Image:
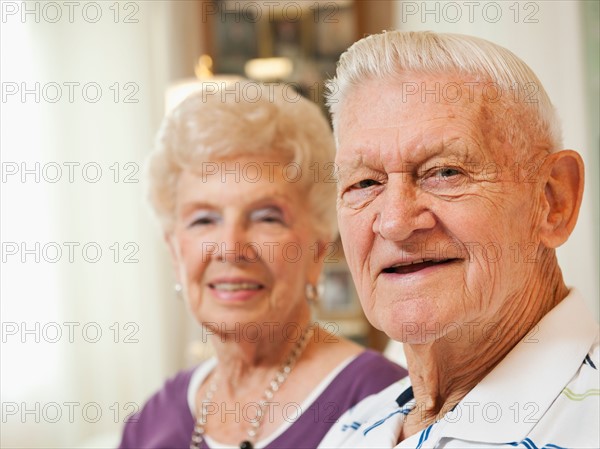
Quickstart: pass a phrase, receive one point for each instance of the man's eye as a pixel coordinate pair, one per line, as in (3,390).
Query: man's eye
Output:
(445,180)
(361,193)
(445,174)
(448,172)
(364,184)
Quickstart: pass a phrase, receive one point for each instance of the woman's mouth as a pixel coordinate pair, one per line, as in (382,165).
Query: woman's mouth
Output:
(235,290)
(235,286)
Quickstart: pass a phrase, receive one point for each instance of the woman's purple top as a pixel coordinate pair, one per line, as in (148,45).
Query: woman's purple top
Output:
(166,421)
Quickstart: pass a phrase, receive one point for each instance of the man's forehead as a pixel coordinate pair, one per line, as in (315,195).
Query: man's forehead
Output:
(451,86)
(427,98)
(377,115)
(428,131)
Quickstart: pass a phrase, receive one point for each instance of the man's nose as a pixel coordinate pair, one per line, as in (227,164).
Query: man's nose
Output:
(403,210)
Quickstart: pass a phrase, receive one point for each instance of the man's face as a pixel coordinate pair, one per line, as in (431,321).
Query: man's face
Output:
(438,216)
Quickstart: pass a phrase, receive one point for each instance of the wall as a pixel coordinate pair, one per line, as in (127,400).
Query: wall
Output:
(549,37)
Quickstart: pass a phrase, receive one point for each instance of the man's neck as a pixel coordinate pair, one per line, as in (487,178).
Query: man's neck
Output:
(443,371)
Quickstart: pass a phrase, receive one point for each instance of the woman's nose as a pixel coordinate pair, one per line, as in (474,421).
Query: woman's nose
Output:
(235,244)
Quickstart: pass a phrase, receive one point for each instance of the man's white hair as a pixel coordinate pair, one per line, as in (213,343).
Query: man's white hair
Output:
(395,53)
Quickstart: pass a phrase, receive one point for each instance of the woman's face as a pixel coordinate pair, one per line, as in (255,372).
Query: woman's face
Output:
(243,245)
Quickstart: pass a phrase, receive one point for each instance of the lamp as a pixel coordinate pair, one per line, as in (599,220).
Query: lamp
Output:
(269,69)
(180,90)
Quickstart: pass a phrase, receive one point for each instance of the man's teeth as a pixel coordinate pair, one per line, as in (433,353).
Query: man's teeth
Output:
(234,286)
(405,264)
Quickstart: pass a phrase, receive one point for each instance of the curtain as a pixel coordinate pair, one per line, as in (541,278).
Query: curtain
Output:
(90,325)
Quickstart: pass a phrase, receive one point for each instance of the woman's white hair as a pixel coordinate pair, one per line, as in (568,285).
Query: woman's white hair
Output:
(244,119)
(531,121)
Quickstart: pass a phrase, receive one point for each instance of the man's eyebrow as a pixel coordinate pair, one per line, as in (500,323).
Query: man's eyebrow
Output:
(349,164)
(457,148)
(466,150)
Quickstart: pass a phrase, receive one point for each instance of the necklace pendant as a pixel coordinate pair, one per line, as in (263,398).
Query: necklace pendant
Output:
(246,445)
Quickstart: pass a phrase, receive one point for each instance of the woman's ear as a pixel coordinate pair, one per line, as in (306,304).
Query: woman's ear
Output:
(563,191)
(318,258)
(169,238)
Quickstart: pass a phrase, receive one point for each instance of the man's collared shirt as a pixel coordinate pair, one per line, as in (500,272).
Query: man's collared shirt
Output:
(543,394)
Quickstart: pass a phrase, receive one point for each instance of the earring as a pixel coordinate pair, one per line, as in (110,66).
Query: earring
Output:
(312,293)
(178,290)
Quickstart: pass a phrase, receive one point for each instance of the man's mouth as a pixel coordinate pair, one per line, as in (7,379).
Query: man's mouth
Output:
(416,265)
(235,286)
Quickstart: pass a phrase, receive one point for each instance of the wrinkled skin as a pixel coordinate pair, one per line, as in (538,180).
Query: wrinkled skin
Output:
(436,184)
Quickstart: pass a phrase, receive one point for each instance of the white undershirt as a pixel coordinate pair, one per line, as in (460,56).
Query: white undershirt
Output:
(204,370)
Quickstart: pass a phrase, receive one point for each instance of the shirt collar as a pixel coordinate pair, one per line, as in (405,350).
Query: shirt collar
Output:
(511,399)
(405,396)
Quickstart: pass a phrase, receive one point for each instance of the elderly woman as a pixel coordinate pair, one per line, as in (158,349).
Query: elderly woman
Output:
(240,182)
(454,193)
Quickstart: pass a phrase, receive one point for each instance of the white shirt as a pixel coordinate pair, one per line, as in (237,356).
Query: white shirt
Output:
(543,394)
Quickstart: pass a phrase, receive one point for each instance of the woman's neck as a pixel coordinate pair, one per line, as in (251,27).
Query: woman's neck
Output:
(248,364)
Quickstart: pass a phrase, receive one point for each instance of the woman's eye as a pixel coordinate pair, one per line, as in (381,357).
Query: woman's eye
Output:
(204,220)
(364,184)
(269,215)
(270,219)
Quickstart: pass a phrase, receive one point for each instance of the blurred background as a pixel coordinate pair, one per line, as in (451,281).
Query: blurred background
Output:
(90,322)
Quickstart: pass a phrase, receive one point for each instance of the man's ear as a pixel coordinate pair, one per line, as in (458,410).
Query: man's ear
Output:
(563,191)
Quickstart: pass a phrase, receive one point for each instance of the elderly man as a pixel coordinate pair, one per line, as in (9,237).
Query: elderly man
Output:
(453,195)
